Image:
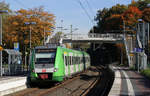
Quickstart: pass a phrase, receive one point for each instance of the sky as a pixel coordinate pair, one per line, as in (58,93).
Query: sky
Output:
(68,11)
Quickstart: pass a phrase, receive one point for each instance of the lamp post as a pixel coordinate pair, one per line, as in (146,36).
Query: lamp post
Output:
(148,5)
(1,12)
(139,45)
(30,34)
(30,37)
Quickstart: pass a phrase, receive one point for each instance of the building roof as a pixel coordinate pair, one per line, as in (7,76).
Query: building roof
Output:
(12,52)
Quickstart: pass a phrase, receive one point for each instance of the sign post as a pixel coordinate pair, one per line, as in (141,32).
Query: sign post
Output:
(16,46)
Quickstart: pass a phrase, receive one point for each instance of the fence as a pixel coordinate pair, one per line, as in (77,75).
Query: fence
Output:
(12,62)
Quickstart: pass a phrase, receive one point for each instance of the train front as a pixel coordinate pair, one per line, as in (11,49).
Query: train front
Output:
(43,63)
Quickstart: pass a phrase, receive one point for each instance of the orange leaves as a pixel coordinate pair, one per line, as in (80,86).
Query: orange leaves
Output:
(113,18)
(18,31)
(131,16)
(15,23)
(146,14)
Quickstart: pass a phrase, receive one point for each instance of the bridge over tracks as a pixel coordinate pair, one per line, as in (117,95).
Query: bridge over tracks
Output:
(92,37)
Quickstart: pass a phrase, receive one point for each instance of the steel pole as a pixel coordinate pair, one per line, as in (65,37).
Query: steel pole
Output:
(44,37)
(143,36)
(71,31)
(25,59)
(1,44)
(30,48)
(125,45)
(148,43)
(30,40)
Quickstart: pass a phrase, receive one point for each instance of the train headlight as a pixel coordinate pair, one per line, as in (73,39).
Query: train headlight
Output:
(55,69)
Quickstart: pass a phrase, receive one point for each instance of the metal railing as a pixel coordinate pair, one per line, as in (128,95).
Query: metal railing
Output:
(93,35)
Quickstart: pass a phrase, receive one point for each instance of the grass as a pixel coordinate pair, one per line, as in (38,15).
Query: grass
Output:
(132,68)
(146,72)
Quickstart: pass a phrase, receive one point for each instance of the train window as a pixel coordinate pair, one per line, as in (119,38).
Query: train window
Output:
(86,59)
(45,58)
(75,60)
(70,60)
(66,60)
(79,60)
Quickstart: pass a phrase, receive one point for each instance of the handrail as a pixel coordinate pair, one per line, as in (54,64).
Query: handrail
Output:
(92,35)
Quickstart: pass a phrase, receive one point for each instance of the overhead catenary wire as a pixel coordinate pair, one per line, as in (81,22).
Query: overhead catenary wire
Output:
(86,12)
(20,3)
(89,6)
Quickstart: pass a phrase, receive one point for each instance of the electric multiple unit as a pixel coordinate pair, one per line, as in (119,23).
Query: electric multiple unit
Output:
(54,63)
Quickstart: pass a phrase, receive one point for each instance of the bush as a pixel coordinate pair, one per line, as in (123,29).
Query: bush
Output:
(146,73)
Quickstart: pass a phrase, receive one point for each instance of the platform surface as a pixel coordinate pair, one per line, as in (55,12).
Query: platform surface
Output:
(10,84)
(129,83)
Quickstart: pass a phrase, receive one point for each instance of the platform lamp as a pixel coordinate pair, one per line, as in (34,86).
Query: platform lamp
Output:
(1,12)
(30,36)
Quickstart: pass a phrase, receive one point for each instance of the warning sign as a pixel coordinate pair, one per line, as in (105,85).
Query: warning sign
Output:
(1,48)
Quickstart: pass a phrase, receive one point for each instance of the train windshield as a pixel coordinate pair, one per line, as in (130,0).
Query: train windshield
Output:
(45,58)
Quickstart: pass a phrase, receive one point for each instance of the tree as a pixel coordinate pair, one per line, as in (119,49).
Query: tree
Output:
(146,14)
(141,4)
(114,22)
(131,16)
(56,38)
(4,6)
(103,15)
(17,31)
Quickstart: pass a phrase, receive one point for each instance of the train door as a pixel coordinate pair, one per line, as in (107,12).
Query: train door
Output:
(76,65)
(81,63)
(66,64)
(71,64)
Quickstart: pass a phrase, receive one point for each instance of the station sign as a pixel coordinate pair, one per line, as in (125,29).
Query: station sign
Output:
(138,50)
(16,46)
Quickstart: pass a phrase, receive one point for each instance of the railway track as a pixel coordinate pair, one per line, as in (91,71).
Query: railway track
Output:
(82,84)
(104,84)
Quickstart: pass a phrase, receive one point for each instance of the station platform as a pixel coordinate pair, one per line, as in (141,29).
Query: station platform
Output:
(129,83)
(10,84)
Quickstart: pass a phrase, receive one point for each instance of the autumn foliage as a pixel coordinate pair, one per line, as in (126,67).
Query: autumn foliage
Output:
(146,14)
(117,16)
(19,26)
(114,22)
(131,16)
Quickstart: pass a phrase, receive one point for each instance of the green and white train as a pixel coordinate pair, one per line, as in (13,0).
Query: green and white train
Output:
(55,63)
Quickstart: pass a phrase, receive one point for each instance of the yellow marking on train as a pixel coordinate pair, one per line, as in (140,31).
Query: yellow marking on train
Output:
(65,52)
